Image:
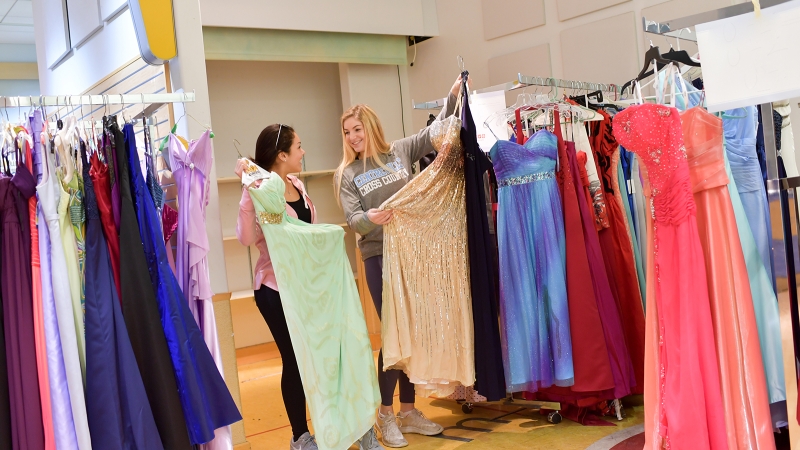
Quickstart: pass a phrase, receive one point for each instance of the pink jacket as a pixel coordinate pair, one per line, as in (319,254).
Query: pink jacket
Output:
(248,231)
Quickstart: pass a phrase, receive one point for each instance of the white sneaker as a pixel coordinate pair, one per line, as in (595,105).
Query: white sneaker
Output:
(305,442)
(390,433)
(369,441)
(415,422)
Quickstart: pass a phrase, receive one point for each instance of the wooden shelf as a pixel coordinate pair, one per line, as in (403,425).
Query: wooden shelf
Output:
(230,238)
(225,180)
(314,173)
(306,174)
(240,295)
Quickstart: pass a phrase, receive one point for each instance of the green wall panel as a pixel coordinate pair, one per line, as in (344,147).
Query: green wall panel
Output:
(249,44)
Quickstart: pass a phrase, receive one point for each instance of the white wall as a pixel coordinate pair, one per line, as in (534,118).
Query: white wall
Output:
(406,17)
(598,41)
(111,46)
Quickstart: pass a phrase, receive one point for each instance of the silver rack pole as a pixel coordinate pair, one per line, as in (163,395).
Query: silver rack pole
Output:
(524,81)
(86,100)
(673,27)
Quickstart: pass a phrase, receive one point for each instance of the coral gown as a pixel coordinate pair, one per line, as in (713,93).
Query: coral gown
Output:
(744,389)
(691,415)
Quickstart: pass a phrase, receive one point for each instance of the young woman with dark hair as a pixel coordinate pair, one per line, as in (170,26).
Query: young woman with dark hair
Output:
(279,150)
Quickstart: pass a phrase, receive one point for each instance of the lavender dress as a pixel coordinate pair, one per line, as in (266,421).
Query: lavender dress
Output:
(537,348)
(190,170)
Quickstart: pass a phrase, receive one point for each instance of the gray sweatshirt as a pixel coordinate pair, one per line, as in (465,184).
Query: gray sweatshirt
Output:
(367,186)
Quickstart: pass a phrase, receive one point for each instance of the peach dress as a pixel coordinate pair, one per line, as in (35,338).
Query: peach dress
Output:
(744,386)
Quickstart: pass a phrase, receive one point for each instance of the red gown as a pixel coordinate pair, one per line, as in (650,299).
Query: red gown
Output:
(593,378)
(618,253)
(102,189)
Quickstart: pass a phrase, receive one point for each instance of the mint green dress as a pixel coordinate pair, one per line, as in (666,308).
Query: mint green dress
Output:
(325,319)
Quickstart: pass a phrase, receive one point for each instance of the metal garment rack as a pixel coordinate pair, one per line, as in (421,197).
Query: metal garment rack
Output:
(90,100)
(785,189)
(524,81)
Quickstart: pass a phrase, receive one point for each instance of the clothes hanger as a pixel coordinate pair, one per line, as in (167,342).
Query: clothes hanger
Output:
(652,55)
(681,56)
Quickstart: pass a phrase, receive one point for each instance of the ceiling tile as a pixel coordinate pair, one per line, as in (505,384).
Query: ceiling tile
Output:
(5,6)
(21,13)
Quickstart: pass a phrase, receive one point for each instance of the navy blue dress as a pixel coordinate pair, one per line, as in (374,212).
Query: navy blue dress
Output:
(489,374)
(119,413)
(206,400)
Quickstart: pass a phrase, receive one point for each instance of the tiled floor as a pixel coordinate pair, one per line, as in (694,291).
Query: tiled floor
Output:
(488,427)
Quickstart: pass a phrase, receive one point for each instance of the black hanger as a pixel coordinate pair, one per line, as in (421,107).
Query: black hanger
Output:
(680,56)
(654,54)
(596,96)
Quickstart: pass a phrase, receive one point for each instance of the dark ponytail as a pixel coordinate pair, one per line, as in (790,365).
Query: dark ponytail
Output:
(273,140)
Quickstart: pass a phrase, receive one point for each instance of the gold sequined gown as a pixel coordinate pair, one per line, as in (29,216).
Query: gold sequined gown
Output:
(427,309)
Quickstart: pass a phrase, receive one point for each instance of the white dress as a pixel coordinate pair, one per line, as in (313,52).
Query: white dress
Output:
(49,196)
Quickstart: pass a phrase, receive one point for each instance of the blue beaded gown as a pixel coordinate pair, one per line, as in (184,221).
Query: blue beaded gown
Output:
(534,318)
(118,409)
(207,403)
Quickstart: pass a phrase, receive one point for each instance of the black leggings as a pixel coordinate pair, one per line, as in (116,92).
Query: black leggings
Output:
(294,398)
(386,380)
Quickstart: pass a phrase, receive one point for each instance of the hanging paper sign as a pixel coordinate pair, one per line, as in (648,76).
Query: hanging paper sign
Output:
(253,173)
(749,60)
(483,106)
(155,30)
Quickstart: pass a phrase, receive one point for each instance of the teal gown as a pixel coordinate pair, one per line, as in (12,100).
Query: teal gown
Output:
(325,319)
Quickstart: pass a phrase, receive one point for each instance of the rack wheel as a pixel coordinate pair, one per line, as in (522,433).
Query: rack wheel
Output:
(554,417)
(466,408)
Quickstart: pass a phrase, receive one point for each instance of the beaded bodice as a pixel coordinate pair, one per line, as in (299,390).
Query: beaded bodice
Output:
(520,164)
(654,133)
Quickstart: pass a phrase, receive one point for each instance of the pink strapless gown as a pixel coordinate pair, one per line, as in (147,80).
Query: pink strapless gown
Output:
(691,415)
(744,385)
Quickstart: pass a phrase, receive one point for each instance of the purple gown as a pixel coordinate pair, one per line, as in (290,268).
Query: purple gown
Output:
(27,429)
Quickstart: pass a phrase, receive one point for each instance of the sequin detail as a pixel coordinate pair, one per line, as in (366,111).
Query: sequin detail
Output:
(531,178)
(427,305)
(272,218)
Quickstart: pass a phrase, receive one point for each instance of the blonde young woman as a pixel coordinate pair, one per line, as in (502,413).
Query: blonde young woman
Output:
(371,171)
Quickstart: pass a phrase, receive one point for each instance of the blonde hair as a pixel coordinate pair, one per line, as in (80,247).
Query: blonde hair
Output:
(375,144)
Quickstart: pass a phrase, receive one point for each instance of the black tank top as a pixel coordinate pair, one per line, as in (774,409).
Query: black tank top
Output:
(299,206)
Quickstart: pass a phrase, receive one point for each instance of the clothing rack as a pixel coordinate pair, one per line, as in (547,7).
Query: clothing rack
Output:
(89,100)
(524,81)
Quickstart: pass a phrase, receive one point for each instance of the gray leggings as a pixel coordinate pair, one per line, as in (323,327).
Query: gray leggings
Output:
(388,379)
